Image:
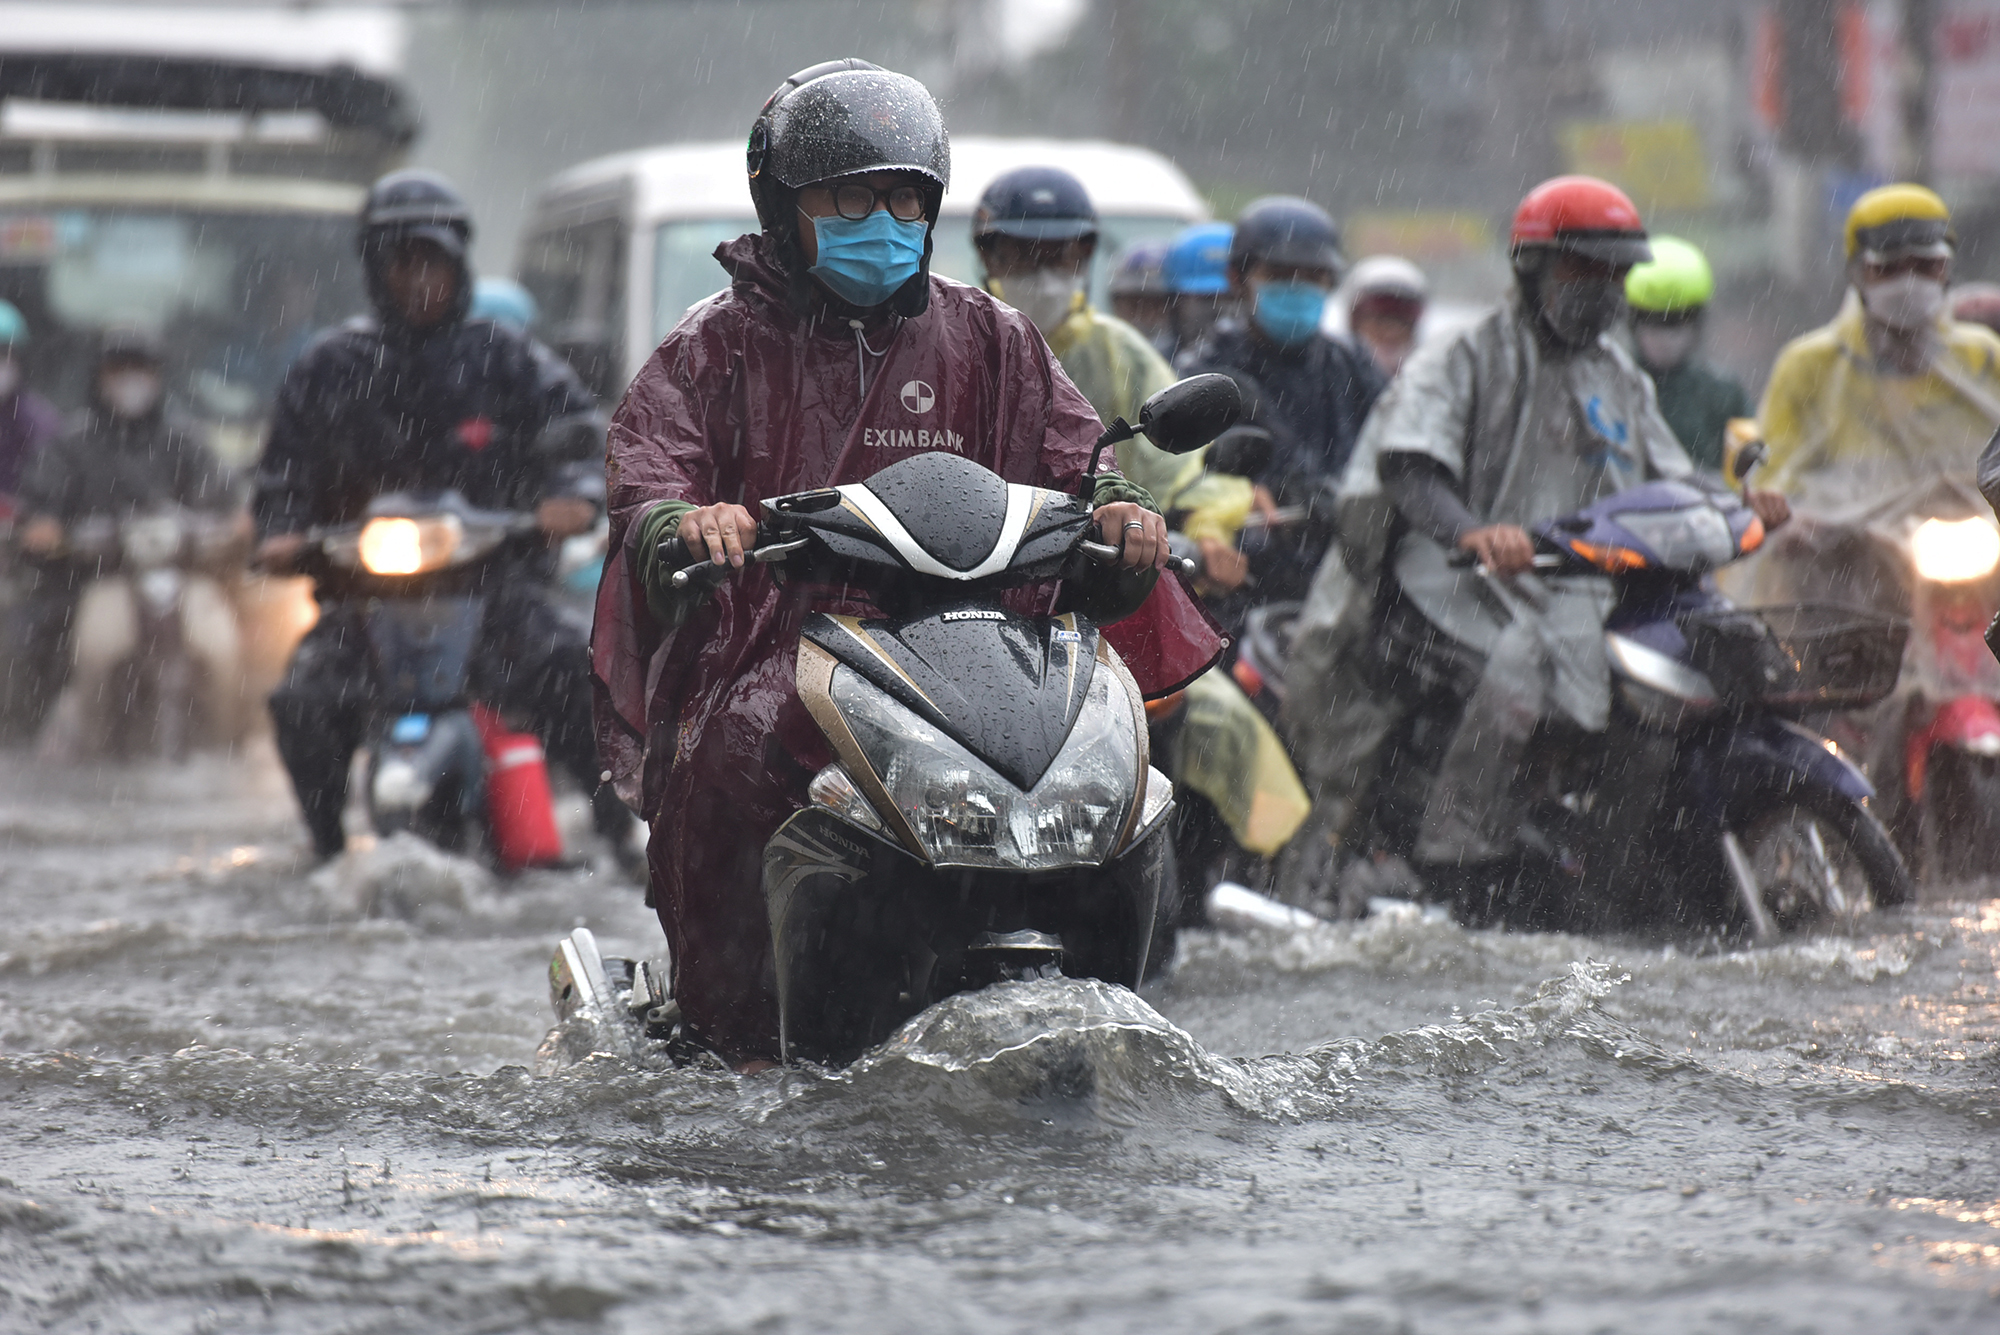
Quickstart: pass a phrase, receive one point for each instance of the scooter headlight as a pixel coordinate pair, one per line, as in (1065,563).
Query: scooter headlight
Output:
(1949,551)
(966,815)
(409,546)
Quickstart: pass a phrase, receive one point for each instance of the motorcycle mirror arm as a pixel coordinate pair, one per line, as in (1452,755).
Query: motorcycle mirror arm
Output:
(1119,430)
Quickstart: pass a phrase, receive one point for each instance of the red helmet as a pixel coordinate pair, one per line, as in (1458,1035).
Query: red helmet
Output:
(1584,216)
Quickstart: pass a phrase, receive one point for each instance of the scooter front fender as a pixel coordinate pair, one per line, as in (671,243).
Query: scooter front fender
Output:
(864,936)
(1761,752)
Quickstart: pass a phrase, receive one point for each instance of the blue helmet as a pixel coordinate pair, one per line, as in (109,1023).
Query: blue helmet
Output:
(503,301)
(13,326)
(1198,262)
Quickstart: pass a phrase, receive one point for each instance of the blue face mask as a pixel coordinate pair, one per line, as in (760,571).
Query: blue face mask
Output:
(1289,312)
(865,261)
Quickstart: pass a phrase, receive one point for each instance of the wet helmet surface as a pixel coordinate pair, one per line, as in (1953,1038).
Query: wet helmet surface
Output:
(1580,215)
(416,203)
(843,118)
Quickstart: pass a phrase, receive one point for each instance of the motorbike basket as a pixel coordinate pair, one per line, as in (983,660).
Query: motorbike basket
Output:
(1800,656)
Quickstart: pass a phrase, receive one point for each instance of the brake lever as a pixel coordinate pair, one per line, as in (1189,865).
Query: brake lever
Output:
(709,572)
(1106,555)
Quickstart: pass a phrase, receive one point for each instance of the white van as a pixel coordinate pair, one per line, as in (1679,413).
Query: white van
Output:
(619,248)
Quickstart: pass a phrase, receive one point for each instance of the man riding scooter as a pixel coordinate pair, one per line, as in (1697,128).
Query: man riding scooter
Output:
(420,398)
(833,354)
(126,456)
(1309,390)
(1529,414)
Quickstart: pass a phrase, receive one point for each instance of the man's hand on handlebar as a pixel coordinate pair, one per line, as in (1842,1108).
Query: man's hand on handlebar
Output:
(1504,549)
(1138,533)
(720,533)
(1223,565)
(279,553)
(1771,507)
(565,516)
(40,535)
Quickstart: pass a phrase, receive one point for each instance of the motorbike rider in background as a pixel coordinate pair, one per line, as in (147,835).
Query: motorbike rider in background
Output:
(126,453)
(1386,297)
(834,353)
(27,420)
(1196,270)
(1669,296)
(1531,413)
(1893,384)
(1139,294)
(1311,391)
(419,397)
(31,654)
(1036,230)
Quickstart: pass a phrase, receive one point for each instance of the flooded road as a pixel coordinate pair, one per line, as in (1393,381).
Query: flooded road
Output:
(235,1096)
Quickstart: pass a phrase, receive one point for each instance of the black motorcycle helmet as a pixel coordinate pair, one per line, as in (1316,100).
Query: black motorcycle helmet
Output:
(414,204)
(1282,229)
(1035,204)
(843,118)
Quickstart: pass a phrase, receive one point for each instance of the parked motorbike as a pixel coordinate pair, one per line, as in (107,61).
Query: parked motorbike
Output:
(1704,800)
(154,636)
(439,764)
(993,813)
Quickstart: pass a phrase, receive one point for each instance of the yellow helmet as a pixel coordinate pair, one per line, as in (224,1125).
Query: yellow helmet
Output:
(1898,220)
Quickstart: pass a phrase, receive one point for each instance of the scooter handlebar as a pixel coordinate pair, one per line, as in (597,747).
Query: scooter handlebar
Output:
(1106,555)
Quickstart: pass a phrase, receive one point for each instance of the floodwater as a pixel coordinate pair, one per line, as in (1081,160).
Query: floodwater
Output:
(234,1097)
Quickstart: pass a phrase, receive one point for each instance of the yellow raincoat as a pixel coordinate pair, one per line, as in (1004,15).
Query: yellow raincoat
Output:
(1228,751)
(1117,370)
(1829,404)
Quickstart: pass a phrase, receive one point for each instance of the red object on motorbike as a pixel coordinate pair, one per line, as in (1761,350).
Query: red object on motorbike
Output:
(1970,723)
(519,807)
(1169,641)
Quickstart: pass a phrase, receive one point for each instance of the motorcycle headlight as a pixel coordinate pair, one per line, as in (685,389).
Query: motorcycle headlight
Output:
(1950,551)
(409,546)
(966,815)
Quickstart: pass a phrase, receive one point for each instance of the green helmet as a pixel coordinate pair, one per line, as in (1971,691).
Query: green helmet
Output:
(13,328)
(1675,281)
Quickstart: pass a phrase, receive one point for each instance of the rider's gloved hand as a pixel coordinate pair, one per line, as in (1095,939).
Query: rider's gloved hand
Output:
(1504,549)
(719,532)
(1771,507)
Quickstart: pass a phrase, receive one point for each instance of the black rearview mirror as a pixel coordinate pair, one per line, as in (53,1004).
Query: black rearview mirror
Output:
(1242,451)
(1188,414)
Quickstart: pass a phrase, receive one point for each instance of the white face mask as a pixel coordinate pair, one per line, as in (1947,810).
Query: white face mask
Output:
(131,393)
(1045,296)
(1906,302)
(10,377)
(1664,346)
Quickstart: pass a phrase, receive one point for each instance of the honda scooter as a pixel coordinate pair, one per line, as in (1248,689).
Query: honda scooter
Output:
(992,813)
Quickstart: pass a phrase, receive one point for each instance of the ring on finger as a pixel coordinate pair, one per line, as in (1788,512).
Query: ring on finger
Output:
(1136,524)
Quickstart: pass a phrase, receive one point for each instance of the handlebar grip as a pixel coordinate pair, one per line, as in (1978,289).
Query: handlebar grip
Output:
(1462,558)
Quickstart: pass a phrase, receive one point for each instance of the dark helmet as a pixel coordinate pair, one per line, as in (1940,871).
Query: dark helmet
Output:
(1035,204)
(841,118)
(415,203)
(420,205)
(1281,229)
(130,343)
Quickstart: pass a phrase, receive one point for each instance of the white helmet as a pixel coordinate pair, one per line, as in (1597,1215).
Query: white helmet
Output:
(1389,276)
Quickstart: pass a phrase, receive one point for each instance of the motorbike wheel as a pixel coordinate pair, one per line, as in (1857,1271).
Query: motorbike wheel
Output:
(1959,816)
(1821,860)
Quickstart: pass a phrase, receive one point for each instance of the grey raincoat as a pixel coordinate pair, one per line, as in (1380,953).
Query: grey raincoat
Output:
(1523,432)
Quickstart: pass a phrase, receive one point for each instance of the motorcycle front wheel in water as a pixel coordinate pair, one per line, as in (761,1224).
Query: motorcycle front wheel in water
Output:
(1821,861)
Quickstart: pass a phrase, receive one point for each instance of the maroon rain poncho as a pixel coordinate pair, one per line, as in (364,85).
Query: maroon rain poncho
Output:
(749,399)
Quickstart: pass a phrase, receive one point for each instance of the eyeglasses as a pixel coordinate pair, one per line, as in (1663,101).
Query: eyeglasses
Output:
(854,201)
(1933,267)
